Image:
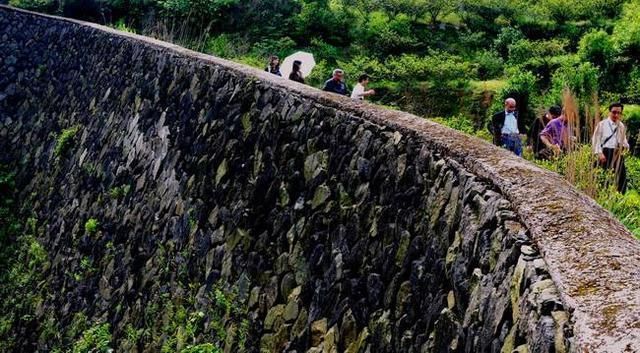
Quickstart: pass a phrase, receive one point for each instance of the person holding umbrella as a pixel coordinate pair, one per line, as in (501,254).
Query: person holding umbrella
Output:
(296,73)
(298,65)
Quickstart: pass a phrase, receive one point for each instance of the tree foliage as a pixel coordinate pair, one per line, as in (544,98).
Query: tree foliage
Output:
(597,48)
(626,33)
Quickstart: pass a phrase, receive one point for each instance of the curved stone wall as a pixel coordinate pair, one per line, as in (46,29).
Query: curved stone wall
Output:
(317,224)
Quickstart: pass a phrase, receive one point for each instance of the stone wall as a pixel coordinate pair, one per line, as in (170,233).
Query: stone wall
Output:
(235,208)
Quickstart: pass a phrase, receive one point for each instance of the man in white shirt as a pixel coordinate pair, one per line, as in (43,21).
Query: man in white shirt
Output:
(360,90)
(609,142)
(506,127)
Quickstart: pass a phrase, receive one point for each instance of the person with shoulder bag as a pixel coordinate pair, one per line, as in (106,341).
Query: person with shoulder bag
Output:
(609,143)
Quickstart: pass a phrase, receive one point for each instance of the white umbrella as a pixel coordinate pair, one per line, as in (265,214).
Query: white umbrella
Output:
(305,58)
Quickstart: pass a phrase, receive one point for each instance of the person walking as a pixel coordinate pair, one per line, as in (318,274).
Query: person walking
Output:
(609,143)
(296,74)
(273,66)
(506,128)
(336,84)
(534,141)
(360,89)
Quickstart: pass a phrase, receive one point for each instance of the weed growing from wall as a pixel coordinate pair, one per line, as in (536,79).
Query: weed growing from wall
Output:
(23,263)
(119,192)
(95,339)
(207,325)
(91,226)
(65,141)
(8,223)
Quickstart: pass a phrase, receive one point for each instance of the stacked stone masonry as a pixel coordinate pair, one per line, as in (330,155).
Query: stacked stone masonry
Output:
(336,231)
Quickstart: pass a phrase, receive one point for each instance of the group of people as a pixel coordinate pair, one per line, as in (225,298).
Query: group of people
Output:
(550,136)
(335,84)
(273,67)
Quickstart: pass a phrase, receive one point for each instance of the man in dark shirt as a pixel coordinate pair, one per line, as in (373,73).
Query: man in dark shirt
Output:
(506,127)
(335,84)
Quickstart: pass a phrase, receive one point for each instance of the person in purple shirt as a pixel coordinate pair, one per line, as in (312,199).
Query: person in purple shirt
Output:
(555,135)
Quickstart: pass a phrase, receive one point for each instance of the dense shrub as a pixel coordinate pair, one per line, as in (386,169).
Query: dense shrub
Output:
(383,34)
(281,47)
(580,77)
(478,102)
(96,339)
(626,34)
(320,74)
(364,64)
(633,172)
(489,65)
(324,50)
(458,122)
(626,208)
(221,45)
(316,19)
(201,13)
(524,50)
(507,37)
(597,48)
(631,119)
(440,67)
(633,87)
(34,5)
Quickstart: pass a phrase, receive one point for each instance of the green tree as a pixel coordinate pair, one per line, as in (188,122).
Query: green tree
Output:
(525,50)
(385,35)
(582,78)
(596,47)
(633,88)
(540,57)
(34,5)
(560,11)
(318,19)
(626,33)
(197,15)
(433,9)
(507,37)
